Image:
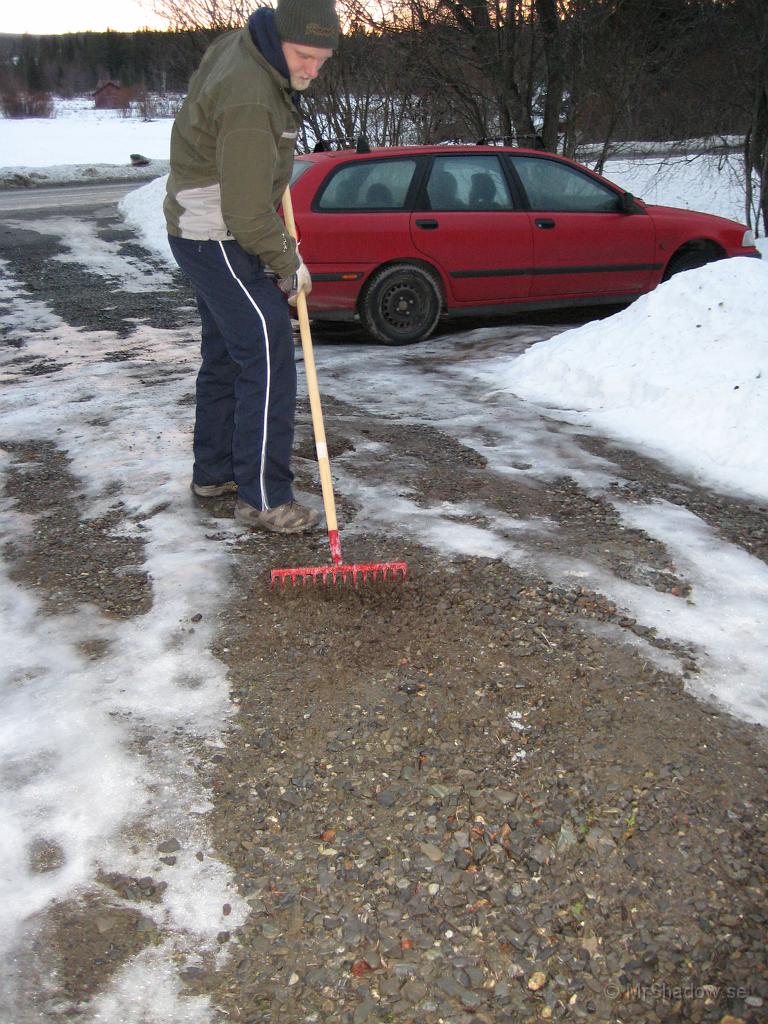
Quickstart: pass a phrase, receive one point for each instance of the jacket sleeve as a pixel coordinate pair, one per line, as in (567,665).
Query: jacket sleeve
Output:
(248,162)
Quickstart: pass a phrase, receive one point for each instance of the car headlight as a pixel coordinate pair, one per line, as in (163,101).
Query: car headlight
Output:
(748,239)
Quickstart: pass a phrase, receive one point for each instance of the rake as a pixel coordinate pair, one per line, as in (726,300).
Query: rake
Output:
(337,570)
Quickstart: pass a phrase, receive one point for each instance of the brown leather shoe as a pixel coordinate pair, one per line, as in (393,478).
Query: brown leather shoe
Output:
(289,518)
(213,490)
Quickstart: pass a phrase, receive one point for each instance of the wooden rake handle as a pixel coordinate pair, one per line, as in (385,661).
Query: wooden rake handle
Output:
(326,481)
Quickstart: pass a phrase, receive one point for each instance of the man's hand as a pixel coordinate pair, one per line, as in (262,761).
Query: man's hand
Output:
(300,281)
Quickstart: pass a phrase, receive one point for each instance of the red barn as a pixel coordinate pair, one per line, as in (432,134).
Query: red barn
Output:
(111,96)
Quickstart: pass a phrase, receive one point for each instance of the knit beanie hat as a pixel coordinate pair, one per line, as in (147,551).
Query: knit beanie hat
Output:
(310,22)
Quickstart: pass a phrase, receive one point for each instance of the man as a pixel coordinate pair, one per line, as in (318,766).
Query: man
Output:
(232,149)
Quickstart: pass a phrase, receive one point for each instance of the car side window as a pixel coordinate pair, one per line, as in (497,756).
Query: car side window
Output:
(557,187)
(299,167)
(468,183)
(369,185)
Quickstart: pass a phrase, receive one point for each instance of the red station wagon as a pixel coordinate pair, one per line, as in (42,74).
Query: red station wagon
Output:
(397,238)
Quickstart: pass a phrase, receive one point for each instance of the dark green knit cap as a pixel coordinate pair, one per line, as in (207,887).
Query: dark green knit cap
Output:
(308,22)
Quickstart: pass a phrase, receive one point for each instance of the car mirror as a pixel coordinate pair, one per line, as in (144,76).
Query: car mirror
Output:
(627,203)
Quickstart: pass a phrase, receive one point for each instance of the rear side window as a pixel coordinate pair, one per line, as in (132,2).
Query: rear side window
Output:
(468,183)
(557,187)
(299,166)
(369,185)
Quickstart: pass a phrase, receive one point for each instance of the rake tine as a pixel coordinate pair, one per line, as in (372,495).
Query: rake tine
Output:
(363,572)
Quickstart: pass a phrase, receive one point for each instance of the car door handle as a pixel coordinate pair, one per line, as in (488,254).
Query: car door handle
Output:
(545,223)
(427,225)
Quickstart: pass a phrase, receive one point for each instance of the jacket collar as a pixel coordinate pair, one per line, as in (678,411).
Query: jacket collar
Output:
(261,26)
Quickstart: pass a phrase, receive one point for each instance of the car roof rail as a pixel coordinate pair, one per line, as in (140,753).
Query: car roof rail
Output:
(342,142)
(496,140)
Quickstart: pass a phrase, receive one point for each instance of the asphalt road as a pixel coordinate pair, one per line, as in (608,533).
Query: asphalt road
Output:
(64,196)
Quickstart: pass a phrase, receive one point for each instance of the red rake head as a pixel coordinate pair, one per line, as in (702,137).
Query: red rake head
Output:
(346,573)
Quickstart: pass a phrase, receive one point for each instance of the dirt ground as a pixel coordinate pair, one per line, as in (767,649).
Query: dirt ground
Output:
(469,796)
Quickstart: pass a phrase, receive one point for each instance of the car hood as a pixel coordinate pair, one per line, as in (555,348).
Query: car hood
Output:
(677,213)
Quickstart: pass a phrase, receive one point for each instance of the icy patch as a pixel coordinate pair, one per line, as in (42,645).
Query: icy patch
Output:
(147,989)
(21,313)
(90,747)
(442,525)
(85,248)
(463,400)
(663,660)
(725,614)
(723,618)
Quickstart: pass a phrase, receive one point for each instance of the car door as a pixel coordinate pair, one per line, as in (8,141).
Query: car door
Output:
(356,221)
(583,243)
(466,222)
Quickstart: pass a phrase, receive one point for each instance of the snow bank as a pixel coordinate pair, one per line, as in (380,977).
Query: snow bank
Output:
(683,372)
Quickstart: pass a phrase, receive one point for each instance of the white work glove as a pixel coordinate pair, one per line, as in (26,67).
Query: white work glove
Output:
(300,281)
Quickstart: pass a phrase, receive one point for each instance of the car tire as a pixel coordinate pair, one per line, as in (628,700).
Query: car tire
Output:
(691,260)
(401,304)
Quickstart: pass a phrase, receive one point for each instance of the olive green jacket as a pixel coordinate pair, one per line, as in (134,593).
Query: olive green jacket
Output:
(232,147)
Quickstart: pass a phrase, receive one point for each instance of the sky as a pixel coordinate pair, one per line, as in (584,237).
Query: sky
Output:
(680,375)
(51,17)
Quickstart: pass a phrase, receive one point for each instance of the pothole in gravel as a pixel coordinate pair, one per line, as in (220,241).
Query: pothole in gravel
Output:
(90,938)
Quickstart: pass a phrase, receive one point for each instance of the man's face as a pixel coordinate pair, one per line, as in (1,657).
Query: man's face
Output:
(304,63)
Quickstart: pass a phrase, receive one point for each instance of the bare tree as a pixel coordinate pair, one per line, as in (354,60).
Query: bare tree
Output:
(388,81)
(551,18)
(424,70)
(210,16)
(756,140)
(479,52)
(608,71)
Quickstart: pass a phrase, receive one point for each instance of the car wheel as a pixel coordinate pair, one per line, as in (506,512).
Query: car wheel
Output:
(401,304)
(691,260)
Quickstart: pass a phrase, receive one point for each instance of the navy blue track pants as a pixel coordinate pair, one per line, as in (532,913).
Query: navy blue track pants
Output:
(246,386)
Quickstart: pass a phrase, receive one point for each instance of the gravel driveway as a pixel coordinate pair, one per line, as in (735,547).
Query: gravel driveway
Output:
(475,796)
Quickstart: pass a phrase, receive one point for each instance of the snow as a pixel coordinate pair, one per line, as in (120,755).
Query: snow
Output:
(110,139)
(682,373)
(679,376)
(81,143)
(142,211)
(71,773)
(705,182)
